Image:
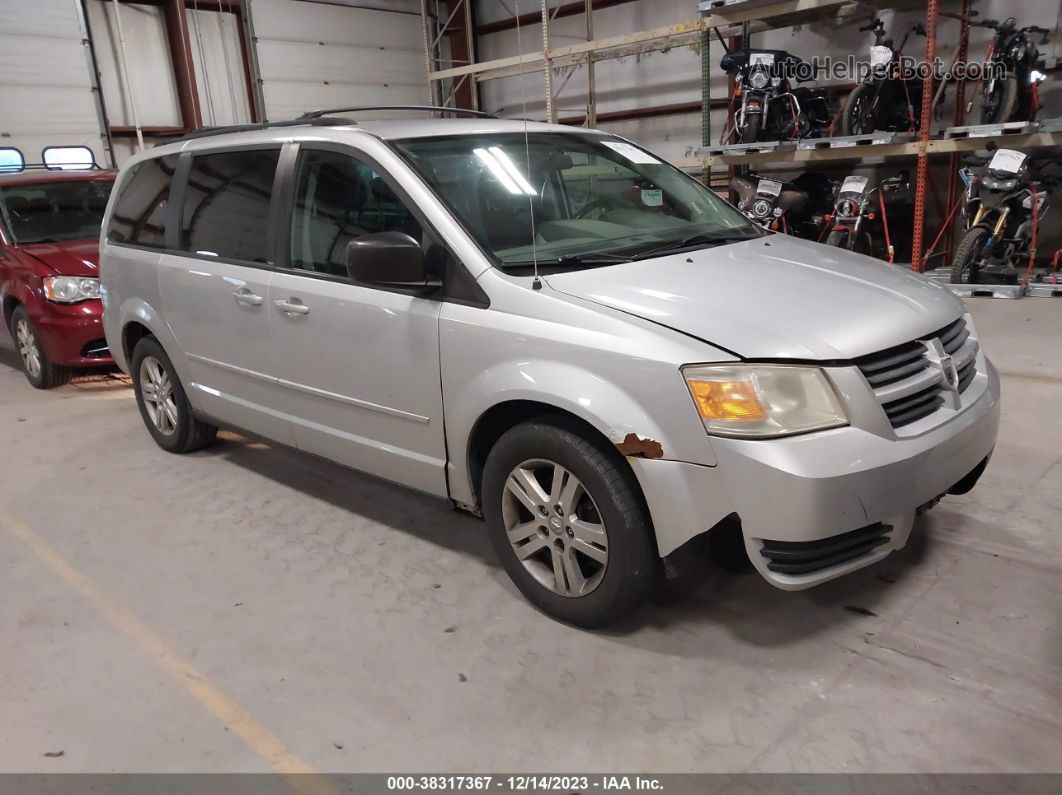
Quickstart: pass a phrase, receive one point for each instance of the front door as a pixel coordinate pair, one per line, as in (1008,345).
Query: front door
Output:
(360,365)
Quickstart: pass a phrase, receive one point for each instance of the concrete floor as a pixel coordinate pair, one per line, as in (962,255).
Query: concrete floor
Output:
(249,607)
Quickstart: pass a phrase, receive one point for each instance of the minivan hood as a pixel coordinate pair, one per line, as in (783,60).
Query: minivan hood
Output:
(68,257)
(775,297)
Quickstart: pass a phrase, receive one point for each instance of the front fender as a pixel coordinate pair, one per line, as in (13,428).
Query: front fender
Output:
(667,429)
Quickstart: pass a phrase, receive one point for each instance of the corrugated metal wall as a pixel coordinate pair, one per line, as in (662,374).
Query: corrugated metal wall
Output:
(45,90)
(313,55)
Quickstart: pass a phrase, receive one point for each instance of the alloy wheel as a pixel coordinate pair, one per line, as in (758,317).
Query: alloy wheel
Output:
(555,528)
(156,389)
(27,348)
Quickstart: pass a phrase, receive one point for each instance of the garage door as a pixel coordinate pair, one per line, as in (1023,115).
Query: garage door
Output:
(45,94)
(313,55)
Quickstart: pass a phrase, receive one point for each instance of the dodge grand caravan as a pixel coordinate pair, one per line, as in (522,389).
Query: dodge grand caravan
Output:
(549,326)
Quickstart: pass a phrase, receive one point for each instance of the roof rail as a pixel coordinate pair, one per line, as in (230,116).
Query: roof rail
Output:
(316,114)
(207,132)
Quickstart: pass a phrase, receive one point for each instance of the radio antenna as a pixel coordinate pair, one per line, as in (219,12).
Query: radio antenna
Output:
(536,282)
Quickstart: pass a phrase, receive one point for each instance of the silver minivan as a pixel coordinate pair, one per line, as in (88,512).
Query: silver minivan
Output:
(548,326)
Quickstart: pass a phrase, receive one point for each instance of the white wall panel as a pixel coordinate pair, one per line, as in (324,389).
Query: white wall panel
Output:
(218,67)
(315,55)
(45,91)
(150,70)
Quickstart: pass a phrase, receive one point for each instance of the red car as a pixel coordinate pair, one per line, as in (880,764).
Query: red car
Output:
(49,269)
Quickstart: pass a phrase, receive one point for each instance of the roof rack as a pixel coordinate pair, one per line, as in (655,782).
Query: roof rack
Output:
(316,114)
(207,132)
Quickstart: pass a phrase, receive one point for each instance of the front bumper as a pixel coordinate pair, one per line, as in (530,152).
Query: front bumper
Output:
(815,487)
(72,335)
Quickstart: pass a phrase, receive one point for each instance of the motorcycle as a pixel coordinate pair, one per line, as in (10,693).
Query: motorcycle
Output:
(861,214)
(766,105)
(1004,204)
(767,202)
(886,100)
(1016,95)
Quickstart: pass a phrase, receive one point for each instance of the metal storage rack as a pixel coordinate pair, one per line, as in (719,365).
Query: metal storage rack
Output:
(452,78)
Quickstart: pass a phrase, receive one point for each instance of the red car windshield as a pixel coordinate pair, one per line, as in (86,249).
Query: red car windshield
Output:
(49,212)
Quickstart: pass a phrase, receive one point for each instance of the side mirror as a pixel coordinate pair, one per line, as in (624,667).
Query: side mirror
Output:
(388,259)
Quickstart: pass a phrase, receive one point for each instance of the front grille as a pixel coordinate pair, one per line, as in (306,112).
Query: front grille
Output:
(805,557)
(97,349)
(905,381)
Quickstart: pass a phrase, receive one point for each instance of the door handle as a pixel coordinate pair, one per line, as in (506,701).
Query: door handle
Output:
(247,298)
(292,307)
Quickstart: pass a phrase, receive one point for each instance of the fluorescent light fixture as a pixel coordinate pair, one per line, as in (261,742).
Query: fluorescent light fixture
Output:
(504,171)
(512,171)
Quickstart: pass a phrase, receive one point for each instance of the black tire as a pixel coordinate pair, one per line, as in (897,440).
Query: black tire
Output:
(39,371)
(838,238)
(632,562)
(753,125)
(188,433)
(856,119)
(965,265)
(999,106)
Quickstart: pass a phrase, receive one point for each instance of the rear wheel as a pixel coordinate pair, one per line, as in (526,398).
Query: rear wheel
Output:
(966,265)
(40,372)
(1000,102)
(568,522)
(857,116)
(163,403)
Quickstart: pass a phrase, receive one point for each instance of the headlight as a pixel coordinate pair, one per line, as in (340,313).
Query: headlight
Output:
(758,401)
(70,289)
(759,79)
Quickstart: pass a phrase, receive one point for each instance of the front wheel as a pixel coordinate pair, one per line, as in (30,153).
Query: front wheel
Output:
(163,403)
(39,371)
(966,265)
(568,522)
(1001,101)
(857,118)
(753,125)
(838,238)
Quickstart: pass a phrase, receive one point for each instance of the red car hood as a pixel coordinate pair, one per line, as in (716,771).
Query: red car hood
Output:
(68,257)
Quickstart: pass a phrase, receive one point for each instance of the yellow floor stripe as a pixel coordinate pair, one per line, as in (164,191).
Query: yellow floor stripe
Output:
(257,737)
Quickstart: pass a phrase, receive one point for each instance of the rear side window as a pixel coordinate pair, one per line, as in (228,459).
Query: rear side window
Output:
(226,205)
(139,216)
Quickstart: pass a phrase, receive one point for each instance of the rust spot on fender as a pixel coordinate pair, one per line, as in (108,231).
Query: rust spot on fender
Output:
(634,445)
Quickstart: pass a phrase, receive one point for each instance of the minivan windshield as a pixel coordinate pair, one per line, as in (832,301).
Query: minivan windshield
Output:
(587,199)
(47,212)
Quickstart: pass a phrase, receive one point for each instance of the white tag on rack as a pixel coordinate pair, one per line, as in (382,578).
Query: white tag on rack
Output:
(854,184)
(769,187)
(1007,160)
(880,55)
(632,153)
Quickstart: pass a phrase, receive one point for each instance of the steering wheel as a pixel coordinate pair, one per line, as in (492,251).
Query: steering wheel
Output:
(589,207)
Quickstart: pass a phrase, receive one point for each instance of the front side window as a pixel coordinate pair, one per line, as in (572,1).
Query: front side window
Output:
(565,198)
(52,211)
(226,204)
(139,215)
(339,198)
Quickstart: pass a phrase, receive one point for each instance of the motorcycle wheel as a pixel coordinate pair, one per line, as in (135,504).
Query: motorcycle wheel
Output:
(999,105)
(751,133)
(966,264)
(838,238)
(856,118)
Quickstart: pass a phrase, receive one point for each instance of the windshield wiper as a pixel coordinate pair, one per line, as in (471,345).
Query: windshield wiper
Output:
(589,260)
(707,238)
